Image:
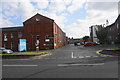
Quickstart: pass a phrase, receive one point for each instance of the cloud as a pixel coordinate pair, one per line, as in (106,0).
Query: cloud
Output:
(96,14)
(102,0)
(4,22)
(67,2)
(75,5)
(57,6)
(59,19)
(42,4)
(12,11)
(78,29)
(59,10)
(99,13)
(104,6)
(24,10)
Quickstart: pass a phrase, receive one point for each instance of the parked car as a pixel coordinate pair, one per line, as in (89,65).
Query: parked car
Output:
(97,43)
(77,44)
(82,43)
(5,51)
(90,44)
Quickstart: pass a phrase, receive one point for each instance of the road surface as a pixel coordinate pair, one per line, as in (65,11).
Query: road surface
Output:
(66,62)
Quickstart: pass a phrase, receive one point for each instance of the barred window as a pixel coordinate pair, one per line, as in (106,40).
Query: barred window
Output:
(20,35)
(5,36)
(46,36)
(12,45)
(38,37)
(12,36)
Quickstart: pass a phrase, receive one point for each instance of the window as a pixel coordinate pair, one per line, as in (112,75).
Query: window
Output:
(46,36)
(110,37)
(20,35)
(12,35)
(5,36)
(47,40)
(118,33)
(38,37)
(12,45)
(110,29)
(5,45)
(37,19)
(117,26)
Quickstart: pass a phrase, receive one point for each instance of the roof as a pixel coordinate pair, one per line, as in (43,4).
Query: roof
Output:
(78,39)
(114,22)
(12,29)
(59,27)
(39,15)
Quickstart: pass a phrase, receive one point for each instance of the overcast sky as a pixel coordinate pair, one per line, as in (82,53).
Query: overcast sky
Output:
(73,16)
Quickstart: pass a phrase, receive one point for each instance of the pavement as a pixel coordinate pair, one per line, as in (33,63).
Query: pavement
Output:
(66,62)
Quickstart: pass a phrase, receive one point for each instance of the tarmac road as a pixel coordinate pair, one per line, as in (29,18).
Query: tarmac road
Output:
(66,62)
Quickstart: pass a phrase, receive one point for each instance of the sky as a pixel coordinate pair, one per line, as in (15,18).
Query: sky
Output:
(74,17)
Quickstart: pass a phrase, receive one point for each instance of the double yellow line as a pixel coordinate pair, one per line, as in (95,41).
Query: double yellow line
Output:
(99,52)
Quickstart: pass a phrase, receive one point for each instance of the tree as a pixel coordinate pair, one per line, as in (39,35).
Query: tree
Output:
(102,34)
(85,38)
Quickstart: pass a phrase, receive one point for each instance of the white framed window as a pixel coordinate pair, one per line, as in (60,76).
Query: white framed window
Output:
(110,29)
(46,36)
(12,45)
(110,37)
(37,37)
(118,33)
(117,26)
(5,36)
(5,45)
(47,40)
(19,34)
(12,36)
(37,19)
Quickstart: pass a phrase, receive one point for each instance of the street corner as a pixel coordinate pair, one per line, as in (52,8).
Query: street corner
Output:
(107,54)
(47,54)
(25,55)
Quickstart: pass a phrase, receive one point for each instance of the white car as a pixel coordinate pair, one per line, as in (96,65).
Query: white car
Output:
(4,51)
(78,44)
(97,43)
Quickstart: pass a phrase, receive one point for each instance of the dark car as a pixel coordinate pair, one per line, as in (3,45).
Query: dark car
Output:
(77,43)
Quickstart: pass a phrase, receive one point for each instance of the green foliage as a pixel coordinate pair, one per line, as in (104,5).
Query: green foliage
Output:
(85,38)
(113,49)
(102,35)
(26,53)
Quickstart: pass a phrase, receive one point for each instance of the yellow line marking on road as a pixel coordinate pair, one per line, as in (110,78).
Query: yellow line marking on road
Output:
(19,65)
(14,59)
(34,58)
(98,52)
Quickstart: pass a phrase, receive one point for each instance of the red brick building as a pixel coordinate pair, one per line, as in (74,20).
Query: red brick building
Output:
(38,29)
(114,31)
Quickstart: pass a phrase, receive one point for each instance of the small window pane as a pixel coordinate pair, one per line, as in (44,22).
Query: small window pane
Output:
(12,35)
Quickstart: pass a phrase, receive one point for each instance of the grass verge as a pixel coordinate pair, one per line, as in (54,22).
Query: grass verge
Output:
(113,49)
(27,53)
